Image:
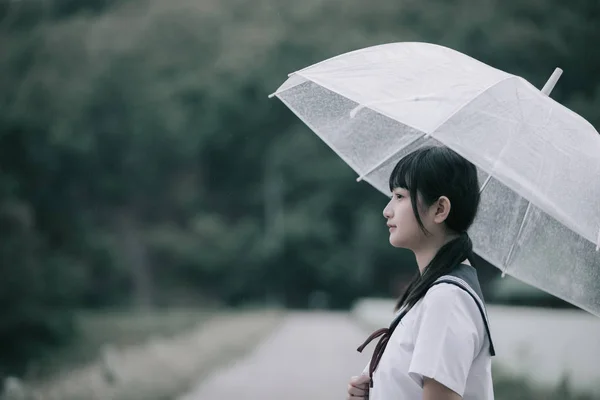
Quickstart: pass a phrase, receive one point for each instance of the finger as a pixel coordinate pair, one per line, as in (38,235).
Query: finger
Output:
(351,397)
(357,392)
(360,381)
(362,386)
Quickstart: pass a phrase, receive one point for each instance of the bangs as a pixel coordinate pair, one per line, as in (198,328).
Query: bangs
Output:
(404,175)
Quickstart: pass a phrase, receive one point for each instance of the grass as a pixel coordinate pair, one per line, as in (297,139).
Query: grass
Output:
(100,330)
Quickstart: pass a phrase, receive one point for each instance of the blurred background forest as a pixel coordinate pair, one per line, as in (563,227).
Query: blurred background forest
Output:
(142,165)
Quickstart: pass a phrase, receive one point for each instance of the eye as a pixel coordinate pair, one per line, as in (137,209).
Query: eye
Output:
(398,196)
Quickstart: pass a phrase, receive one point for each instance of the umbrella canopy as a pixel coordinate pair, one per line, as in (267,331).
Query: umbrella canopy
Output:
(538,161)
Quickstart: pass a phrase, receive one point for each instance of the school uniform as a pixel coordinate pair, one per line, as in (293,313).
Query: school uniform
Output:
(444,336)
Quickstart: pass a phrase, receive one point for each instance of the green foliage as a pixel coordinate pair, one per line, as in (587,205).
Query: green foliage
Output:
(140,158)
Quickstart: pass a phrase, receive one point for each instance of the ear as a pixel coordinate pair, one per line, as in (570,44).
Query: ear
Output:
(441,209)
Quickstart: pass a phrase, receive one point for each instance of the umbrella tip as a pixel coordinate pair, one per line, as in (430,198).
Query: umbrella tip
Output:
(547,89)
(360,178)
(272,95)
(504,268)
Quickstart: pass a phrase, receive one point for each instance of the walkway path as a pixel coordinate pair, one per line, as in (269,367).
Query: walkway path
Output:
(310,356)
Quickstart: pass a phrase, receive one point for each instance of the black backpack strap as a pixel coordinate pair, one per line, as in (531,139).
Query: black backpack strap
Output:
(465,286)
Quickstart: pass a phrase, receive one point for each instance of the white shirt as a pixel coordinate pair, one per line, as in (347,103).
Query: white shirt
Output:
(442,337)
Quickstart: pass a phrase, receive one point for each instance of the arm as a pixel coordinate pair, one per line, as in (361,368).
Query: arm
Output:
(433,390)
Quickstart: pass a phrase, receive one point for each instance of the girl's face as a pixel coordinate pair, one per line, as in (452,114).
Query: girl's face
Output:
(404,229)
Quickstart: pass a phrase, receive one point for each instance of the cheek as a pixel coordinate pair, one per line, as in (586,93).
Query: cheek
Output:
(405,215)
(408,229)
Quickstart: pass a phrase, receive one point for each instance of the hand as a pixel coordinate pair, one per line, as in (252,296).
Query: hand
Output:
(358,388)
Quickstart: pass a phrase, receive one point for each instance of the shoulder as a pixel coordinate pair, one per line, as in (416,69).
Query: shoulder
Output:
(453,304)
(446,295)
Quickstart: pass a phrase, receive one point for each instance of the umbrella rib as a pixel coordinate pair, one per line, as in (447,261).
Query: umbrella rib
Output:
(471,100)
(485,183)
(379,164)
(514,244)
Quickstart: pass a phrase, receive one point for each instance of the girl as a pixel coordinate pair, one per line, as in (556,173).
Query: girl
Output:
(438,346)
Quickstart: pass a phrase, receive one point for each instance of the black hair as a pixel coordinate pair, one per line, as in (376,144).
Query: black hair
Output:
(429,173)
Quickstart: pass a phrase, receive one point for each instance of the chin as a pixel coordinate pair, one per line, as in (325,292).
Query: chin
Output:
(396,242)
(401,242)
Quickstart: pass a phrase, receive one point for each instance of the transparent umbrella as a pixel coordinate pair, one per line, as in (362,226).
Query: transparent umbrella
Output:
(538,161)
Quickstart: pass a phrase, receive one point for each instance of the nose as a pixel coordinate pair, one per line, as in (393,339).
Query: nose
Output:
(387,211)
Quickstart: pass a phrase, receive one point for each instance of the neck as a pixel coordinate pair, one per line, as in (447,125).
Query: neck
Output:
(425,253)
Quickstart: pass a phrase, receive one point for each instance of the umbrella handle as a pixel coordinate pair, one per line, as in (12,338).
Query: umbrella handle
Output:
(552,81)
